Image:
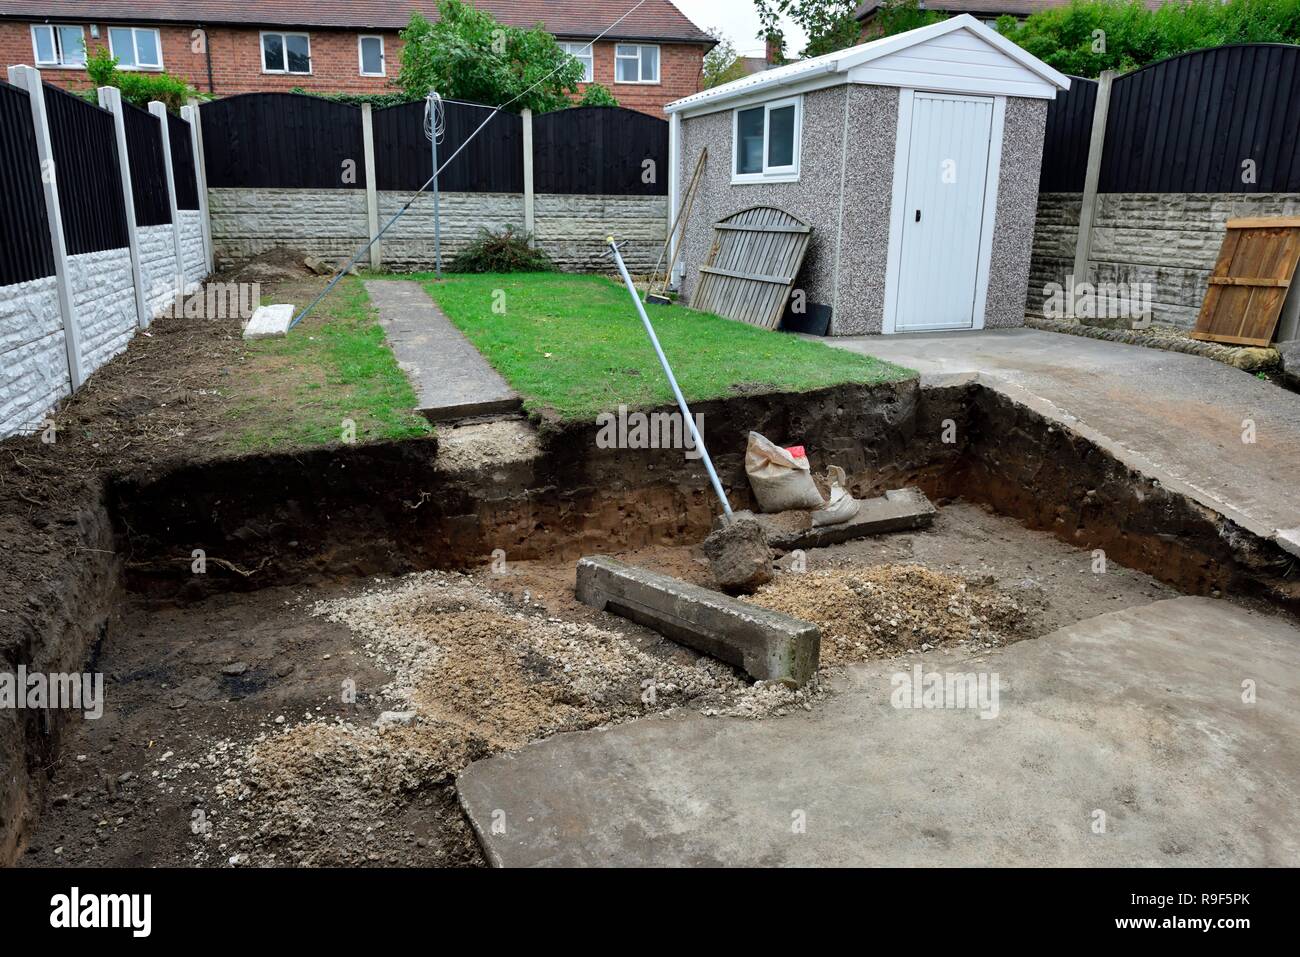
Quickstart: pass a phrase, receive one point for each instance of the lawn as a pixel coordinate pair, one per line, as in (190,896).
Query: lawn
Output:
(332,369)
(576,345)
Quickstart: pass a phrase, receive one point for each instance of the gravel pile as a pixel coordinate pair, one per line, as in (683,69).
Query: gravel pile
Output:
(883,610)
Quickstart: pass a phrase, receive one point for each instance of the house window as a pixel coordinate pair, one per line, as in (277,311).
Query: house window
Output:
(136,48)
(58,44)
(582,53)
(286,53)
(636,63)
(371,51)
(767,142)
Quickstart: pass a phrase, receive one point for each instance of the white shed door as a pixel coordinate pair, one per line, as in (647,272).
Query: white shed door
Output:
(944,213)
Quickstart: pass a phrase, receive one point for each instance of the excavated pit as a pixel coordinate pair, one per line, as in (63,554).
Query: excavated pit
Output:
(506,492)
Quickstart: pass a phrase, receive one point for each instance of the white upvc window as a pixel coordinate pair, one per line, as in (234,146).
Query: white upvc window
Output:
(581,50)
(767,142)
(136,48)
(286,52)
(636,63)
(59,44)
(370,53)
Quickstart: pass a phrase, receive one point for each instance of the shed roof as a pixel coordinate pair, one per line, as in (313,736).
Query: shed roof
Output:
(834,67)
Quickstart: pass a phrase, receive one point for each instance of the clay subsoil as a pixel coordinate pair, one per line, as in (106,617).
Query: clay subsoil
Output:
(231,739)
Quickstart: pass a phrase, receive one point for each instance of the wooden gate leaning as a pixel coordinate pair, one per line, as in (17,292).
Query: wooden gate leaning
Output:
(1250,281)
(752,265)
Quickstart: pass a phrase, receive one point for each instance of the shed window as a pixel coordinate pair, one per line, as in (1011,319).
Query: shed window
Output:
(136,48)
(286,53)
(636,63)
(371,51)
(767,142)
(58,44)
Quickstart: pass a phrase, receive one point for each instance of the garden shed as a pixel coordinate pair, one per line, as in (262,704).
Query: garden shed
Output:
(913,158)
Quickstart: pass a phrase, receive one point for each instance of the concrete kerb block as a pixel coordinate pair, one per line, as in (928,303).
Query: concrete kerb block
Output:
(269,321)
(765,644)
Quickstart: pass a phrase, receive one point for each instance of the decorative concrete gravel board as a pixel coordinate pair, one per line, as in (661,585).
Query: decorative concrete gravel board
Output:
(409,244)
(103,293)
(192,254)
(33,361)
(158,266)
(329,223)
(571,229)
(1170,240)
(1013,224)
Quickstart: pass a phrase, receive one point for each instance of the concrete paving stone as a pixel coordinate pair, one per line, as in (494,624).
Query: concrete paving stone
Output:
(269,321)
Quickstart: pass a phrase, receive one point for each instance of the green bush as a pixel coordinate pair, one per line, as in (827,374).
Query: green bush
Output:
(597,95)
(378,101)
(1089,36)
(506,251)
(138,89)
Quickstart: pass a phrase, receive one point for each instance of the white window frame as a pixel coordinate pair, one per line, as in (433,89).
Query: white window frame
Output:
(659,63)
(588,59)
(769,174)
(59,63)
(135,49)
(284,36)
(361,57)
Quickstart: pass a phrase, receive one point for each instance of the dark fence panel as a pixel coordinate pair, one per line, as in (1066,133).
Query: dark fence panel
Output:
(148,167)
(282,140)
(89,178)
(25,250)
(599,149)
(182,147)
(1065,143)
(493,162)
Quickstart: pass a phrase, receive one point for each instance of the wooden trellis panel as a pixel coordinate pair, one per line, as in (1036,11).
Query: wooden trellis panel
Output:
(1249,283)
(752,266)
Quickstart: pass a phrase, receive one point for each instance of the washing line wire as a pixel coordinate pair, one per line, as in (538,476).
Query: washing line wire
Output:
(411,202)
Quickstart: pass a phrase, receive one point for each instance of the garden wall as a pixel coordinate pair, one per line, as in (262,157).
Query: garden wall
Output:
(1169,240)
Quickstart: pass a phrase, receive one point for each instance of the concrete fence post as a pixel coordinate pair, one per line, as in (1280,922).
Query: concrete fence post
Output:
(29,79)
(1088,208)
(372,189)
(110,98)
(191,113)
(160,111)
(530,203)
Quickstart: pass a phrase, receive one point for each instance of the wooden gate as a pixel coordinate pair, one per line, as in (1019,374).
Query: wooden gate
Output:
(1250,281)
(752,266)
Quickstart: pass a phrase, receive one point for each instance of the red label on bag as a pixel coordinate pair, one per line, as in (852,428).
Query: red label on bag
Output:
(797,452)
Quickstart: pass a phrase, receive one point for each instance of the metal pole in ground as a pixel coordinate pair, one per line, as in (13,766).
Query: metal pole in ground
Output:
(672,379)
(433,106)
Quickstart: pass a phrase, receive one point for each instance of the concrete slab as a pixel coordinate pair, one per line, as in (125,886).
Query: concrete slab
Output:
(767,645)
(269,321)
(895,511)
(1231,440)
(451,379)
(1122,740)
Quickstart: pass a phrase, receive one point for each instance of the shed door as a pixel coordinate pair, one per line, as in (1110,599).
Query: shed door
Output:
(944,214)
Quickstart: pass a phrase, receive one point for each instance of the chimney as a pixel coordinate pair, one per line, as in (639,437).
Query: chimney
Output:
(775,50)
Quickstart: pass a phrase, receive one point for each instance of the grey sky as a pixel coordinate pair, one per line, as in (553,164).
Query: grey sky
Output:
(738,21)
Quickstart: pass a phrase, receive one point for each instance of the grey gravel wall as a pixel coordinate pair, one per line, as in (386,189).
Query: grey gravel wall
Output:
(332,224)
(33,362)
(1170,240)
(103,294)
(158,266)
(192,255)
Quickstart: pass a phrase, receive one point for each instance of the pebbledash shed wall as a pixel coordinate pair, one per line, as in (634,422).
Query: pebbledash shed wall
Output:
(845,189)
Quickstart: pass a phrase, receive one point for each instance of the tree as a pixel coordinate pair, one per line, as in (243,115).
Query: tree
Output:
(899,16)
(722,64)
(138,89)
(469,55)
(597,94)
(829,23)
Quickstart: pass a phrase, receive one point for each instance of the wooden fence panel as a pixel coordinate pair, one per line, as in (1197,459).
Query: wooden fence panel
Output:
(148,167)
(25,249)
(493,162)
(90,183)
(600,150)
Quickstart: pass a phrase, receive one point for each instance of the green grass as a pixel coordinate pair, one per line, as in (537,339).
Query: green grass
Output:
(333,366)
(576,345)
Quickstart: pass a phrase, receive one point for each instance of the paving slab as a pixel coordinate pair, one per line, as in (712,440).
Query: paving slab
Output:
(896,511)
(269,321)
(1121,740)
(451,378)
(1178,418)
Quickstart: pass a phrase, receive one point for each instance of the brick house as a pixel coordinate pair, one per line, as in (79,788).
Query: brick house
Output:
(225,47)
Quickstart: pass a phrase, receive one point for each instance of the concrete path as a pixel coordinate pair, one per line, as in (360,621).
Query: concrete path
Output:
(1177,415)
(1122,740)
(451,378)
